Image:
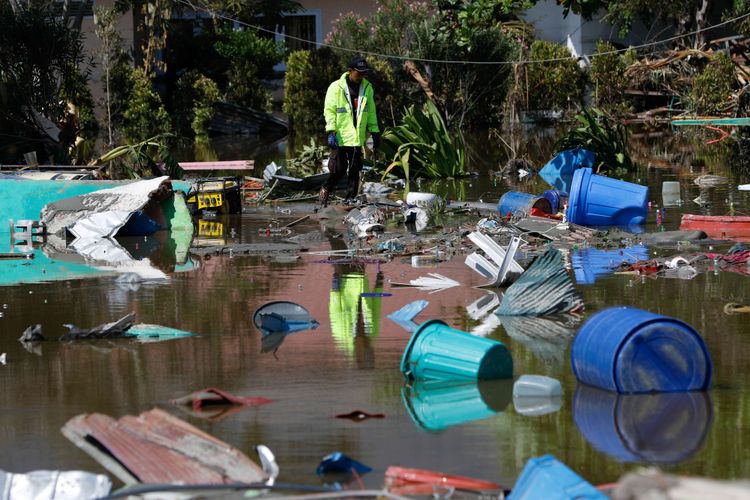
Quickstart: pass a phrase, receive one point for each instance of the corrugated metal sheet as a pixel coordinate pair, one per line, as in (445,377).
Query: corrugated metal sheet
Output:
(544,288)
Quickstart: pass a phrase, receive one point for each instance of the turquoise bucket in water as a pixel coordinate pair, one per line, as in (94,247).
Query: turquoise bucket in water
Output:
(435,405)
(596,200)
(627,350)
(438,352)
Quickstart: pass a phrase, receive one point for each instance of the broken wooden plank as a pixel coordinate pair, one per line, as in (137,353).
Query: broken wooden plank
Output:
(156,447)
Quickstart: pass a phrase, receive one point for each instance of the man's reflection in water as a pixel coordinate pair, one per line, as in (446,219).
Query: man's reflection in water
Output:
(355,320)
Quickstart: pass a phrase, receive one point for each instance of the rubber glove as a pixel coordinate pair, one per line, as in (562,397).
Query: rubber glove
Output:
(375,140)
(332,142)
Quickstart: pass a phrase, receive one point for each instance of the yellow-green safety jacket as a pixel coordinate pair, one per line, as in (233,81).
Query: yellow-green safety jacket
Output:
(338,112)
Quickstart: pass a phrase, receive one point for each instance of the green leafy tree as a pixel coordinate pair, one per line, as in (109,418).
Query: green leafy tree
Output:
(308,74)
(194,103)
(252,59)
(557,83)
(712,87)
(42,68)
(144,115)
(607,75)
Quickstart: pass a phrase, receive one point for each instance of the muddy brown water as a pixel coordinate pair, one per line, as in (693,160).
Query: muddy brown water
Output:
(353,364)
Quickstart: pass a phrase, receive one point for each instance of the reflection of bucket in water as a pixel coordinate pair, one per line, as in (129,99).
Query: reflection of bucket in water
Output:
(437,351)
(664,428)
(627,350)
(589,264)
(670,194)
(516,203)
(435,405)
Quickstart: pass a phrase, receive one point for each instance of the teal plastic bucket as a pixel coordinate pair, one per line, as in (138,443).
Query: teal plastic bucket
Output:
(596,200)
(435,405)
(438,352)
(517,203)
(627,350)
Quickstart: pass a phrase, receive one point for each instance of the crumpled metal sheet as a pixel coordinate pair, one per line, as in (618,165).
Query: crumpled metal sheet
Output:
(52,484)
(99,214)
(544,288)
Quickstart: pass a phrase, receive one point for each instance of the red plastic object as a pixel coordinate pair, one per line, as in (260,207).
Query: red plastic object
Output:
(718,226)
(213,396)
(724,134)
(409,480)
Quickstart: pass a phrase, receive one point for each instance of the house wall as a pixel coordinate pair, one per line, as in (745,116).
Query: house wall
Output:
(92,48)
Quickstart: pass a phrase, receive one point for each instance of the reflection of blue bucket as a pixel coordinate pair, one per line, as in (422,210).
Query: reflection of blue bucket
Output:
(548,478)
(556,198)
(589,264)
(437,351)
(662,428)
(517,203)
(627,350)
(596,200)
(435,405)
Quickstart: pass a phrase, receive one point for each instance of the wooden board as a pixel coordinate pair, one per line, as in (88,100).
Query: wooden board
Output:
(156,447)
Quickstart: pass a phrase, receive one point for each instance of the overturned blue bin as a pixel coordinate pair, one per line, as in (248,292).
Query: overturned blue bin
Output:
(435,405)
(661,428)
(628,350)
(596,200)
(557,199)
(438,352)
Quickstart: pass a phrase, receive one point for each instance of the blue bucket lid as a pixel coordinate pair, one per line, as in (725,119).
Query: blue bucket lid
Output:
(407,351)
(581,179)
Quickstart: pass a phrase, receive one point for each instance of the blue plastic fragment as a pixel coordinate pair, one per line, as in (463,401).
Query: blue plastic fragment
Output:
(558,172)
(375,294)
(337,462)
(405,316)
(548,478)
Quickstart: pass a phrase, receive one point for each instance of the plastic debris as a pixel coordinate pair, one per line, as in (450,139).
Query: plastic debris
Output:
(359,415)
(376,188)
(433,282)
(53,484)
(416,216)
(392,245)
(268,463)
(503,269)
(213,396)
(338,463)
(412,481)
(548,478)
(405,316)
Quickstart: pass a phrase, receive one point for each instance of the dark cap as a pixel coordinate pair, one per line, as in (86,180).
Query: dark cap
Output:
(358,63)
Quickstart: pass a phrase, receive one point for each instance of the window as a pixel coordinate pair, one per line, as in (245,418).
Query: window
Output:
(300,32)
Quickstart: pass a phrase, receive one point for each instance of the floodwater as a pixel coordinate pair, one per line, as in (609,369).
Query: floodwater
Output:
(351,360)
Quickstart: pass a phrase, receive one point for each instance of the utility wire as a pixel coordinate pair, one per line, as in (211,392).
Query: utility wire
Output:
(441,61)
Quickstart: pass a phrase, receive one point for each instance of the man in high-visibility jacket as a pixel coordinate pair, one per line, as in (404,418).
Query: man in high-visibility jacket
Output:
(349,113)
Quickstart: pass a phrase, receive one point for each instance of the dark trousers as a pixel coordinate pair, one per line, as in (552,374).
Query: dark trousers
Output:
(341,160)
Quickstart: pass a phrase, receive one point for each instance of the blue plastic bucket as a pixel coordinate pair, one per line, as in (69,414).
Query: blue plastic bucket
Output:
(665,428)
(596,200)
(556,198)
(548,478)
(517,203)
(439,352)
(627,350)
(435,405)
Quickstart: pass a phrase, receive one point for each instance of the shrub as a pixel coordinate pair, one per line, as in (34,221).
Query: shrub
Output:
(602,137)
(713,86)
(422,146)
(308,74)
(144,114)
(194,103)
(553,85)
(607,75)
(251,59)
